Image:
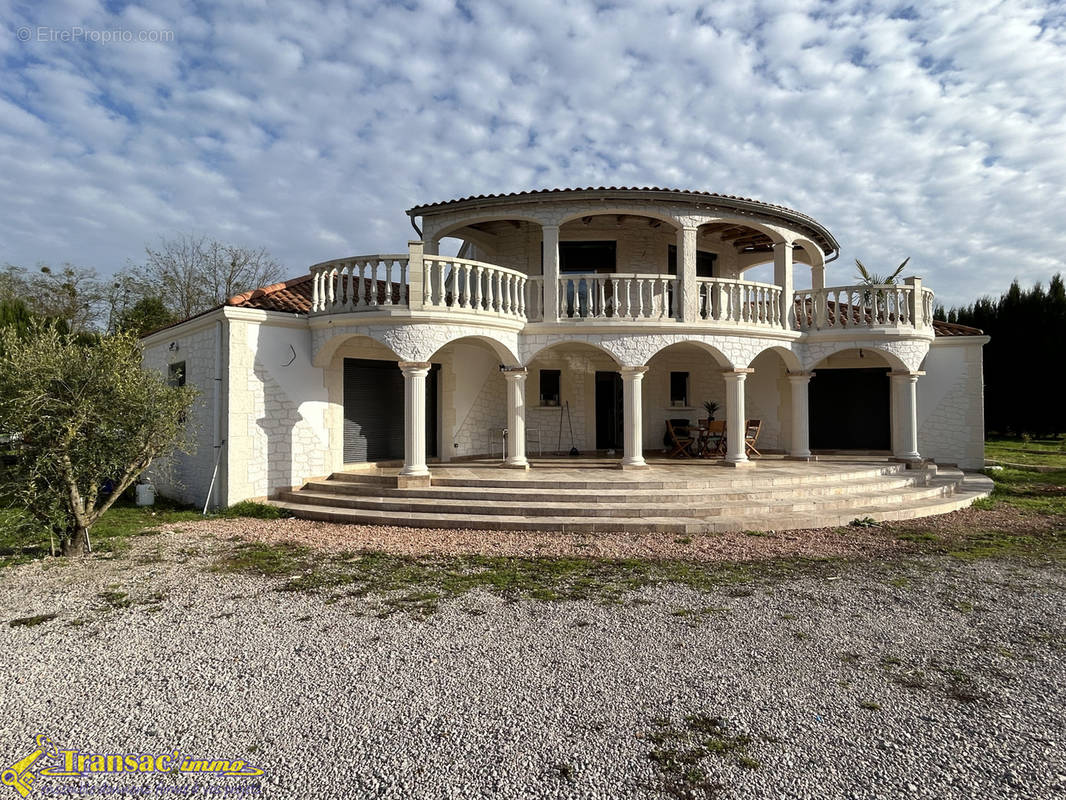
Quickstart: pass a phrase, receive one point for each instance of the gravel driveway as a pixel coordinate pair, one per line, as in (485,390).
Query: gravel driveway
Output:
(940,678)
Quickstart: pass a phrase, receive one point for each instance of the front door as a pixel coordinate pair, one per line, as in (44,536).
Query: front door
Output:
(608,411)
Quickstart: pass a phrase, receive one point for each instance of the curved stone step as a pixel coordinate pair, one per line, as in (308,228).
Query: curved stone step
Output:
(948,492)
(703,506)
(513,494)
(611,479)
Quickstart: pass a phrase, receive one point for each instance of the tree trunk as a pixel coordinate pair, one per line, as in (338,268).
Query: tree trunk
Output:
(77,543)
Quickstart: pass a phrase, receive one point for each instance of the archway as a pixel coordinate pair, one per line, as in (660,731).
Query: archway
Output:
(573,399)
(472,398)
(682,379)
(366,393)
(850,402)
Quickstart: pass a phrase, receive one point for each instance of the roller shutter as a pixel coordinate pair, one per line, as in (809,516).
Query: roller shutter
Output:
(373,411)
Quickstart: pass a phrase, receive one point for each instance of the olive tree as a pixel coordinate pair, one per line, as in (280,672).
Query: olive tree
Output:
(86,420)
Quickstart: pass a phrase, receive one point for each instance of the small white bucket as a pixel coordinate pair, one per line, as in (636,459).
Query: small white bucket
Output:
(145,494)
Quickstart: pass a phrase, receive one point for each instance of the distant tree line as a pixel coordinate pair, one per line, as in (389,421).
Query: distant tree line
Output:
(1025,389)
(181,277)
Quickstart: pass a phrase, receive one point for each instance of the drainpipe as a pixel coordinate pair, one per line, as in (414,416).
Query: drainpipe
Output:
(216,414)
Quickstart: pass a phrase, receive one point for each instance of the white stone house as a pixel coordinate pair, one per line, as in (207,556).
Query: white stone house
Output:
(607,310)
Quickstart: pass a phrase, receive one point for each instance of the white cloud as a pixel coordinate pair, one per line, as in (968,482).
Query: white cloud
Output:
(936,133)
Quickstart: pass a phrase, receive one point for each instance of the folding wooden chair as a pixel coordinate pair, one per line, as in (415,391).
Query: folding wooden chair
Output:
(713,439)
(751,436)
(681,439)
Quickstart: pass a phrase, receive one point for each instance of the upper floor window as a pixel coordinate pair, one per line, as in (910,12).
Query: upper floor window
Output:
(587,256)
(704,262)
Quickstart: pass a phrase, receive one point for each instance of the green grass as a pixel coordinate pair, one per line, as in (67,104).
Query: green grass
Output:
(1039,452)
(250,508)
(682,753)
(1041,492)
(31,622)
(24,539)
(419,583)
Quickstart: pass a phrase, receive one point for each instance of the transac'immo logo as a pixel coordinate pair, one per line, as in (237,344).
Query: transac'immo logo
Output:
(78,764)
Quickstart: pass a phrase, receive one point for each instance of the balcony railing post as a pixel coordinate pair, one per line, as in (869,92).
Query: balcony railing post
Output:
(783,278)
(917,306)
(415,274)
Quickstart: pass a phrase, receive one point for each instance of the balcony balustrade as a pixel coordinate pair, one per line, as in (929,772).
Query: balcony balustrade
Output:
(382,284)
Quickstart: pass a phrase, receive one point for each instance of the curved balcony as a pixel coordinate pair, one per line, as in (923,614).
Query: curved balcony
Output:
(360,283)
(885,307)
(459,284)
(400,284)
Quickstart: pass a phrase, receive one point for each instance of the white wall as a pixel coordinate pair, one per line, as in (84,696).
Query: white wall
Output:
(951,402)
(186,477)
(473,400)
(279,414)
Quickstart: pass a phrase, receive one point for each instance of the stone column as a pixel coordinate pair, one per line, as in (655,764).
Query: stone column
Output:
(551,272)
(783,278)
(414,472)
(633,418)
(801,448)
(687,310)
(736,421)
(904,403)
(516,418)
(818,277)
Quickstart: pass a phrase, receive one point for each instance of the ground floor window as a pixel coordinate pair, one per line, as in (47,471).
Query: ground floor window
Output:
(549,386)
(679,388)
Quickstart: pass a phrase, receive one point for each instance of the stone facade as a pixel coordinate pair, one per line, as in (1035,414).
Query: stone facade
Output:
(277,408)
(951,403)
(282,395)
(186,477)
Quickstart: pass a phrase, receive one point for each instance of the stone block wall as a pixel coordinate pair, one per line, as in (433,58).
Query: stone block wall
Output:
(473,401)
(186,477)
(279,408)
(951,403)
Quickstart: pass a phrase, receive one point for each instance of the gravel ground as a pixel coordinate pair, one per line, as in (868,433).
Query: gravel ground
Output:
(939,679)
(734,545)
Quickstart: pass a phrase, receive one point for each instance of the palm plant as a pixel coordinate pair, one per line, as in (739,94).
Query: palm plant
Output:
(870,279)
(867,278)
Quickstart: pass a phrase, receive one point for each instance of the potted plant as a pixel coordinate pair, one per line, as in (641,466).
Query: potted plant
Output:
(712,409)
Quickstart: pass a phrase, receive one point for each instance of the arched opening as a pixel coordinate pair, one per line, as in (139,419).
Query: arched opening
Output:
(681,380)
(366,403)
(608,242)
(768,399)
(472,398)
(507,241)
(573,400)
(850,402)
(808,254)
(742,250)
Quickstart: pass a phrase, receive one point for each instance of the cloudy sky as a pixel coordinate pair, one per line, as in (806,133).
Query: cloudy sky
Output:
(935,130)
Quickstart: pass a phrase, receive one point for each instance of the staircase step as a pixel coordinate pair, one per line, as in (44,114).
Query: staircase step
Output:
(514,494)
(945,494)
(717,478)
(702,506)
